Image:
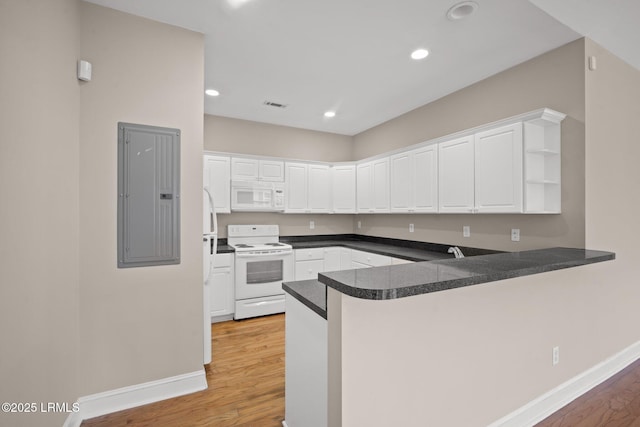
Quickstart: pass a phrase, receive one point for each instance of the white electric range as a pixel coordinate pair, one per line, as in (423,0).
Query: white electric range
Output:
(262,264)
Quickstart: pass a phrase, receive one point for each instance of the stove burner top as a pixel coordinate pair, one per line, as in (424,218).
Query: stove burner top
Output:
(274,244)
(242,245)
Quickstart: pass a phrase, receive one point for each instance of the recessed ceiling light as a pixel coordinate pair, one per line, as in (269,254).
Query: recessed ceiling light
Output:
(419,54)
(212,92)
(330,114)
(461,10)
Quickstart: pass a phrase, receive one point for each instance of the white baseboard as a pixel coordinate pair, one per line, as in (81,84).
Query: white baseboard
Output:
(550,402)
(123,398)
(284,423)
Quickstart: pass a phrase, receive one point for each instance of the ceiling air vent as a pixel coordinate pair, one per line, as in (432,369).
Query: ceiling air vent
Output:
(275,104)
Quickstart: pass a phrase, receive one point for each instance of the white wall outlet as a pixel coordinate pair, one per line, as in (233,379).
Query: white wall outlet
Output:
(555,358)
(312,225)
(411,228)
(515,234)
(466,231)
(359,224)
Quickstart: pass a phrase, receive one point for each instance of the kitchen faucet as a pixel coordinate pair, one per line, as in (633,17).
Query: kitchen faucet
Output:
(456,251)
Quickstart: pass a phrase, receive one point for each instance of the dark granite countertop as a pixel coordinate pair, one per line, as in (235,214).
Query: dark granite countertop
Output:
(224,249)
(311,293)
(406,249)
(398,281)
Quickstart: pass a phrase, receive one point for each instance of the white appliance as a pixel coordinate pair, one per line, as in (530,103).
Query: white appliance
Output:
(257,196)
(262,264)
(209,247)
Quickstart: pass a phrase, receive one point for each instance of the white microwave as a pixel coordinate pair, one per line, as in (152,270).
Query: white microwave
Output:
(257,196)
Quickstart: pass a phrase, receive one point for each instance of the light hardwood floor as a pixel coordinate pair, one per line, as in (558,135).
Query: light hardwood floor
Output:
(614,403)
(246,388)
(246,383)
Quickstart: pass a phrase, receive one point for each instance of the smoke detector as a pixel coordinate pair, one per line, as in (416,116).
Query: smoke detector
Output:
(461,10)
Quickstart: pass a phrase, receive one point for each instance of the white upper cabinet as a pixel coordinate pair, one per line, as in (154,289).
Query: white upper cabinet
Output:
(308,188)
(271,170)
(414,180)
(319,188)
(344,188)
(244,169)
(296,184)
(482,173)
(372,186)
(498,169)
(456,175)
(216,177)
(250,169)
(364,187)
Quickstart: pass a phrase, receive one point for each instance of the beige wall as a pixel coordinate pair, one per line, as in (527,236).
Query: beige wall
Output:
(487,348)
(39,171)
(137,324)
(553,80)
(612,201)
(247,137)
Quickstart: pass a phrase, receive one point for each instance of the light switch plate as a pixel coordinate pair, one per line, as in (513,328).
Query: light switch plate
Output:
(411,228)
(466,231)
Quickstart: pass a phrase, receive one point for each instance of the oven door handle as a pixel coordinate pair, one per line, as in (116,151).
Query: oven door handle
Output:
(266,254)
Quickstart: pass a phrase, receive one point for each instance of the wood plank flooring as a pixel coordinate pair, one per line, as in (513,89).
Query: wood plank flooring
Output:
(246,389)
(614,403)
(246,383)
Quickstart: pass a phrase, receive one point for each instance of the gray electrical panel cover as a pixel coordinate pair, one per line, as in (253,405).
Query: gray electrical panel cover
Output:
(148,195)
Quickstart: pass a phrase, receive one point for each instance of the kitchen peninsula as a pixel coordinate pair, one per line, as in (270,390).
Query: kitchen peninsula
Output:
(397,350)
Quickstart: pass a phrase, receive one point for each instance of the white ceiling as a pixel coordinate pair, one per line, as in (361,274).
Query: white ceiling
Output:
(352,56)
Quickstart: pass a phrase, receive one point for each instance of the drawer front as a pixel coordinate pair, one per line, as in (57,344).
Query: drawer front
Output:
(222,260)
(308,254)
(370,259)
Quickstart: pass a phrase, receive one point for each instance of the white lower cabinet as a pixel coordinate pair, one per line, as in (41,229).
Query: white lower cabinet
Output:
(222,288)
(345,258)
(332,259)
(309,262)
(368,259)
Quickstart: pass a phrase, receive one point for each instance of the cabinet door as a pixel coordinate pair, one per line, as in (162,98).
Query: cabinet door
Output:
(401,182)
(244,169)
(344,188)
(308,270)
(364,193)
(380,185)
(222,292)
(498,169)
(345,259)
(296,183)
(424,190)
(319,188)
(332,259)
(271,170)
(456,175)
(217,174)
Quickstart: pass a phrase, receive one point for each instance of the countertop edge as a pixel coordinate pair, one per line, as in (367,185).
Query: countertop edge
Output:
(476,279)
